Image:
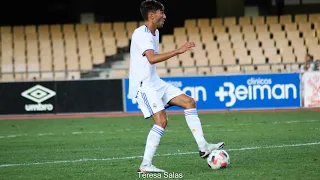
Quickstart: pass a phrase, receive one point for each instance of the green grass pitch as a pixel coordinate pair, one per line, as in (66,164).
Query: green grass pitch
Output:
(271,146)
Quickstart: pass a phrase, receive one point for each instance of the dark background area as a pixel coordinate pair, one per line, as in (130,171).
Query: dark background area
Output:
(71,96)
(69,11)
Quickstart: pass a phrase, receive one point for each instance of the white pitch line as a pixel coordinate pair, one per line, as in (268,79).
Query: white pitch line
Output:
(169,154)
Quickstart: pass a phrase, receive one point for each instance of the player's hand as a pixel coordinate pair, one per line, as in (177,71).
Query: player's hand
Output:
(187,46)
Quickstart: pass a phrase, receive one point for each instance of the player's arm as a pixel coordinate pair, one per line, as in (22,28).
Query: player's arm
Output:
(156,58)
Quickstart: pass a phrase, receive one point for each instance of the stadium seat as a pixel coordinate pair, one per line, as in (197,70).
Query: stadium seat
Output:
(47,76)
(267,43)
(311,41)
(280,43)
(248,29)
(179,31)
(204,71)
(285,19)
(200,58)
(274,58)
(270,51)
(73,75)
(292,68)
(272,20)
(162,64)
(7,77)
(205,30)
(252,44)
(118,26)
(286,50)
(141,23)
(85,62)
(238,44)
(245,59)
(297,42)
(249,69)
(173,62)
(162,72)
(192,71)
(263,69)
(257,56)
(176,71)
(234,69)
(314,17)
(193,31)
(190,23)
(130,27)
(250,36)
(304,26)
(314,49)
(228,58)
(203,22)
(168,47)
(233,29)
(207,38)
(119,73)
(291,27)
(6,67)
(106,29)
(98,56)
(245,20)
(186,59)
(216,70)
(225,46)
(240,51)
(288,58)
(236,37)
(216,22)
(229,21)
(258,20)
(277,68)
(298,18)
(211,45)
(300,56)
(34,76)
(264,28)
(275,28)
(196,38)
(278,35)
(222,37)
(181,39)
(294,34)
(219,29)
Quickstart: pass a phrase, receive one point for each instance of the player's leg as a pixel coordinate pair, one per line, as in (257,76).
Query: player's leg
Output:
(176,97)
(151,106)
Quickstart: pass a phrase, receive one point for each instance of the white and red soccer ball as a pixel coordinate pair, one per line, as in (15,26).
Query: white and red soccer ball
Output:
(218,159)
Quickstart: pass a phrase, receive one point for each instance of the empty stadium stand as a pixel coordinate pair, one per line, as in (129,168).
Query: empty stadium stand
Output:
(224,46)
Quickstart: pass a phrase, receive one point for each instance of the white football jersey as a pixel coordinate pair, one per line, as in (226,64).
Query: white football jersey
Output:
(141,71)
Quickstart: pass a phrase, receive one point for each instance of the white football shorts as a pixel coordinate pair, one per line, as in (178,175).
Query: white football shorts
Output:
(152,100)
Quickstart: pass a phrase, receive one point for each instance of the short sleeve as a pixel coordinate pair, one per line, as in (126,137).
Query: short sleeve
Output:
(145,43)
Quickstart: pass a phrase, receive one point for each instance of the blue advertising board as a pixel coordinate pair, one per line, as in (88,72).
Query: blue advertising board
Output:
(234,91)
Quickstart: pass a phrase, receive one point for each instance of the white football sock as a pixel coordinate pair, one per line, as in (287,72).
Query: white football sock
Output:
(152,144)
(194,124)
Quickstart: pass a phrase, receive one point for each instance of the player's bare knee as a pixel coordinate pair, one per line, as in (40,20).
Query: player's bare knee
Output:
(162,122)
(190,103)
(160,119)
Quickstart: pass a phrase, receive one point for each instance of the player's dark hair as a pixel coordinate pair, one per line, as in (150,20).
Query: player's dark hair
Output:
(150,6)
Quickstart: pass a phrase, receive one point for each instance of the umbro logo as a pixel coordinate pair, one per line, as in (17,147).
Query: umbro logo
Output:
(38,94)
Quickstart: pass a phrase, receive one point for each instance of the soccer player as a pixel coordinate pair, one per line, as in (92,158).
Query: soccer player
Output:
(152,93)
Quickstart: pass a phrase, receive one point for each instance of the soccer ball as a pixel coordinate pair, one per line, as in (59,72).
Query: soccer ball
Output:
(218,159)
